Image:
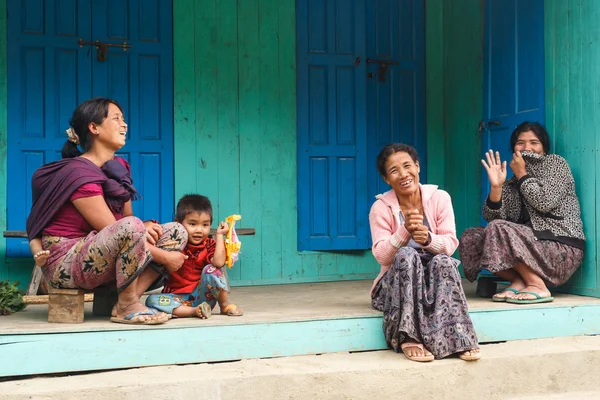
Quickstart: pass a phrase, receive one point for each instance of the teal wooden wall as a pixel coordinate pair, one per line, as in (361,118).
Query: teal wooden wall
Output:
(235,124)
(454,103)
(235,127)
(235,133)
(572,36)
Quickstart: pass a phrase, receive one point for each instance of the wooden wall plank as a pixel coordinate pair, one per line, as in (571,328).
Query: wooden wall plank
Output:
(184,83)
(227,156)
(287,123)
(463,86)
(207,97)
(250,143)
(434,87)
(227,137)
(270,138)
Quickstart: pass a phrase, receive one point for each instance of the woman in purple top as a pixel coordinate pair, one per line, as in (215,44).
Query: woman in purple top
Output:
(81,227)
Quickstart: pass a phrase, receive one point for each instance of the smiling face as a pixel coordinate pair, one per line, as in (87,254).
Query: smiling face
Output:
(402,173)
(112,132)
(528,141)
(197,226)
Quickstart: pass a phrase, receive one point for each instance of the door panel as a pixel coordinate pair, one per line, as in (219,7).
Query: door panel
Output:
(513,72)
(396,106)
(50,74)
(331,126)
(344,117)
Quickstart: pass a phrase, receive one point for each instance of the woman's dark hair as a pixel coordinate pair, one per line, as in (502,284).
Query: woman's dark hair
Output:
(535,127)
(193,203)
(393,148)
(93,110)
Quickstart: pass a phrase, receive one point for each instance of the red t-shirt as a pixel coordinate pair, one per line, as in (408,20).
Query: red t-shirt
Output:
(68,222)
(188,276)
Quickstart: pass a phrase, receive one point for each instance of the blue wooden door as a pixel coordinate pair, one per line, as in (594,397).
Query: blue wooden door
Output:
(346,113)
(331,125)
(49,74)
(513,89)
(396,101)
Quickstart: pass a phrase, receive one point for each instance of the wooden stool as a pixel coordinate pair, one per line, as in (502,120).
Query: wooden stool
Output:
(65,306)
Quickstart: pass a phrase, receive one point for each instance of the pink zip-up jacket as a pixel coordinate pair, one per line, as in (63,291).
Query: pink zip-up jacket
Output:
(389,234)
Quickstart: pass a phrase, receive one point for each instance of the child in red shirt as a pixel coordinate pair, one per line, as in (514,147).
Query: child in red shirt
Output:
(200,283)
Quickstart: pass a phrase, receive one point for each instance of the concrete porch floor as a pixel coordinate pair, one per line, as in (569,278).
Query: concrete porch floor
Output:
(273,304)
(279,320)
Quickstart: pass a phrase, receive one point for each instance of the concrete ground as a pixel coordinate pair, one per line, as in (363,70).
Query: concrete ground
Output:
(548,369)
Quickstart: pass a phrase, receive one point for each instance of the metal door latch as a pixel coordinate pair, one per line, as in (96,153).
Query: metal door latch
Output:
(102,48)
(483,126)
(383,67)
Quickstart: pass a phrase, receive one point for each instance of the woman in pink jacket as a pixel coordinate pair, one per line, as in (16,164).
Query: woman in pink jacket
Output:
(419,288)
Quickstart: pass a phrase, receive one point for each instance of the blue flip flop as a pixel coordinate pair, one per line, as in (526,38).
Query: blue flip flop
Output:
(128,319)
(504,299)
(538,299)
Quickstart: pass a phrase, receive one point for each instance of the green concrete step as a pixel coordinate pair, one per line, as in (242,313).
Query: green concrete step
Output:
(549,368)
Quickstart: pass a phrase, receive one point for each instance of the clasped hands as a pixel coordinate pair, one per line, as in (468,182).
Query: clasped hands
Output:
(413,222)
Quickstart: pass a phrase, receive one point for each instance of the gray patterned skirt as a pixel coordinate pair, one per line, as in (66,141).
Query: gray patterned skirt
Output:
(502,244)
(424,302)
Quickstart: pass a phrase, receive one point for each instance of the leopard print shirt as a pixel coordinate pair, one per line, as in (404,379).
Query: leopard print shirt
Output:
(548,194)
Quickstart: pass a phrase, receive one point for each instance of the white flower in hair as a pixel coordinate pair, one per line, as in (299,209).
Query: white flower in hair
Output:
(72,135)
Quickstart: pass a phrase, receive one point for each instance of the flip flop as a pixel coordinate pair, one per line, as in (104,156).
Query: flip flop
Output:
(128,319)
(503,299)
(538,299)
(405,346)
(204,310)
(232,311)
(472,357)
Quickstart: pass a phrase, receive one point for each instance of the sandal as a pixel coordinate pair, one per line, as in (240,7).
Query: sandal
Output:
(203,311)
(537,299)
(423,358)
(231,310)
(498,299)
(129,319)
(470,357)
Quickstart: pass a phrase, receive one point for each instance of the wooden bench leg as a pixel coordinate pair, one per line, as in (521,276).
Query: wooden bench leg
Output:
(65,306)
(37,283)
(34,283)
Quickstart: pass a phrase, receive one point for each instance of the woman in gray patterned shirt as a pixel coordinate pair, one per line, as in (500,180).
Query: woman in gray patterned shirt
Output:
(535,237)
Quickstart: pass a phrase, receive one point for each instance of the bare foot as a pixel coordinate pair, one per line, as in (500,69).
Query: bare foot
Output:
(41,257)
(123,310)
(470,355)
(517,285)
(539,290)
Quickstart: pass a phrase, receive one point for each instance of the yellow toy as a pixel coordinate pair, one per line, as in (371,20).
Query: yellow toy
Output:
(232,243)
